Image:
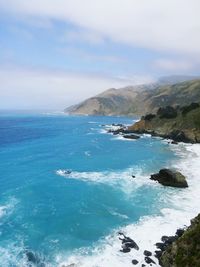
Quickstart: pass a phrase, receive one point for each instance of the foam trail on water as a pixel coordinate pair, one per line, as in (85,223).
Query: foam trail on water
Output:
(8,207)
(122,179)
(183,203)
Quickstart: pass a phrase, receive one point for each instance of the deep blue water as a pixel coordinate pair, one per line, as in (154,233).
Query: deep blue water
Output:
(49,214)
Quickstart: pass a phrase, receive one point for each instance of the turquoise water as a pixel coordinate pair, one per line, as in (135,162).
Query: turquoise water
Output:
(50,214)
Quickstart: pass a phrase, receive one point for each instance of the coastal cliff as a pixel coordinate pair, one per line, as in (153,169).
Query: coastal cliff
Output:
(181,124)
(185,251)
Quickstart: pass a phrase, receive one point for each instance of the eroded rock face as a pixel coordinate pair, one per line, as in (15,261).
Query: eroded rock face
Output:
(168,177)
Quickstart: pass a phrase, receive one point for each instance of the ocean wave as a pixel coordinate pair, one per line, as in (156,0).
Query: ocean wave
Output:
(122,179)
(149,230)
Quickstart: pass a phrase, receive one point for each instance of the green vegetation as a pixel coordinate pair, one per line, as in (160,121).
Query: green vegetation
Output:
(185,252)
(172,123)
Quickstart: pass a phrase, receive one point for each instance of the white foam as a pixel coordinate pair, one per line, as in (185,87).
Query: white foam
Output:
(87,153)
(184,205)
(121,138)
(8,207)
(121,179)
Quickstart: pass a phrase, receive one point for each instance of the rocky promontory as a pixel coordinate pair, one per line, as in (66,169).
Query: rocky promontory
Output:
(184,250)
(181,124)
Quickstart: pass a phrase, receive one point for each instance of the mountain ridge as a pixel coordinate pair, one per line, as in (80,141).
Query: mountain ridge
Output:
(138,99)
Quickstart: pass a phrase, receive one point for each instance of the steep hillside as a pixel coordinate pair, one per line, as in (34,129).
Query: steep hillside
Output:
(185,251)
(122,101)
(179,124)
(138,100)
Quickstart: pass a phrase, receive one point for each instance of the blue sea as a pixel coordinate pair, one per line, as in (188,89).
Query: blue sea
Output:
(50,218)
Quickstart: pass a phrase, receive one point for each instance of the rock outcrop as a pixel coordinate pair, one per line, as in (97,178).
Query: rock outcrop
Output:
(181,124)
(185,250)
(170,178)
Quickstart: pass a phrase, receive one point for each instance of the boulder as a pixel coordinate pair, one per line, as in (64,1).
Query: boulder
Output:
(135,262)
(147,253)
(131,136)
(125,250)
(168,177)
(149,260)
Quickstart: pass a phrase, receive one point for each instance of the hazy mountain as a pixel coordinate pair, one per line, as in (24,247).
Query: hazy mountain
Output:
(138,99)
(176,79)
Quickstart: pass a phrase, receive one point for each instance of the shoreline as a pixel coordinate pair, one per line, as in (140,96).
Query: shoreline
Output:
(184,207)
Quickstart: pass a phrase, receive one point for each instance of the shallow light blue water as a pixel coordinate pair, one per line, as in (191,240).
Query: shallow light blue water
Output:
(50,214)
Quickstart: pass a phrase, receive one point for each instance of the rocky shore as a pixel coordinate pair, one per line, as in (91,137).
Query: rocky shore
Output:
(182,249)
(180,124)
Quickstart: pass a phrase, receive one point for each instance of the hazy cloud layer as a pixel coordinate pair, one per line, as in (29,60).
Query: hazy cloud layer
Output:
(171,25)
(29,88)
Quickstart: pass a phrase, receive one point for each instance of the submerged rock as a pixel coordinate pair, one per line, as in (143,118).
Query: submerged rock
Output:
(170,178)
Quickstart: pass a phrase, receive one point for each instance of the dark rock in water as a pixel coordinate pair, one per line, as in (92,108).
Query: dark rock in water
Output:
(118,125)
(174,143)
(170,240)
(131,136)
(149,260)
(127,242)
(147,253)
(34,259)
(164,238)
(31,257)
(121,233)
(125,250)
(120,130)
(66,172)
(132,244)
(170,178)
(133,176)
(135,262)
(180,232)
(126,239)
(158,254)
(161,246)
(179,136)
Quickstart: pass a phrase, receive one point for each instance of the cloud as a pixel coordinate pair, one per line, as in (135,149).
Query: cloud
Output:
(173,65)
(83,36)
(91,56)
(51,89)
(170,25)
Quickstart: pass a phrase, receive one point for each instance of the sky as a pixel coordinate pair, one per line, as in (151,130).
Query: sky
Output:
(55,53)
